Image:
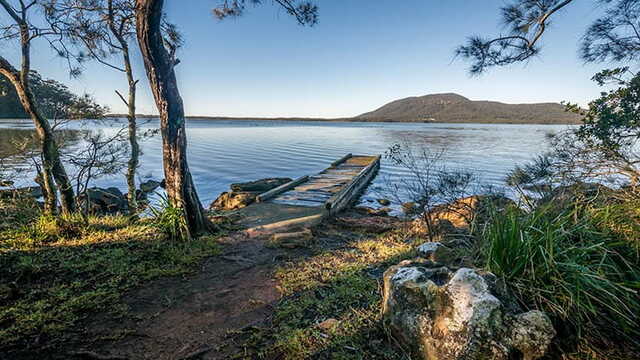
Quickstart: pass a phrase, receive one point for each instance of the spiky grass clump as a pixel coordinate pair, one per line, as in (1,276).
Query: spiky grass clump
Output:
(170,220)
(566,264)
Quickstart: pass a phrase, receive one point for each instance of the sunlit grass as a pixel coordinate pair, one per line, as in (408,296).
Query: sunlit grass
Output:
(341,284)
(55,272)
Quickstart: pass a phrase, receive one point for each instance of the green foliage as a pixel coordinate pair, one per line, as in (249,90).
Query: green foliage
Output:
(570,264)
(54,100)
(613,119)
(170,220)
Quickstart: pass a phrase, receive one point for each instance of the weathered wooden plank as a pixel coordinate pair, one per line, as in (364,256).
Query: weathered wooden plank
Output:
(282,188)
(341,160)
(343,198)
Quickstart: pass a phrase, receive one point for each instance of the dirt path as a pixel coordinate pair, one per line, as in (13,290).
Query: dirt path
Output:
(196,317)
(191,317)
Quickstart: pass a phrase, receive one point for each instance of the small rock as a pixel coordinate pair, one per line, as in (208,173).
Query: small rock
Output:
(6,183)
(149,186)
(29,191)
(410,208)
(328,324)
(384,202)
(365,210)
(291,240)
(436,252)
(103,201)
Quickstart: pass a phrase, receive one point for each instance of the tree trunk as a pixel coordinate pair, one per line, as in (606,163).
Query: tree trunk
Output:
(160,71)
(133,136)
(43,130)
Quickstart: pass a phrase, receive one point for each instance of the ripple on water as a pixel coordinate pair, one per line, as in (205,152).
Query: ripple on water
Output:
(222,152)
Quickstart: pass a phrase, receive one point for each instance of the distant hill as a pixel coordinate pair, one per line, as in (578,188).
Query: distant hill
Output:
(454,108)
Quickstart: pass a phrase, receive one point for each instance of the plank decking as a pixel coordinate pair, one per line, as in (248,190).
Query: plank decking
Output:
(310,198)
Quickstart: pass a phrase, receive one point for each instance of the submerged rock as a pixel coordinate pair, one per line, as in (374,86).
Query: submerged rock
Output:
(441,314)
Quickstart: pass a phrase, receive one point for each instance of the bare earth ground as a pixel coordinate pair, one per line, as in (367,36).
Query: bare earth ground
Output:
(197,317)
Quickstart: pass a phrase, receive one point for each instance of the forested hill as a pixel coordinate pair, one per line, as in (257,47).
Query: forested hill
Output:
(53,98)
(454,108)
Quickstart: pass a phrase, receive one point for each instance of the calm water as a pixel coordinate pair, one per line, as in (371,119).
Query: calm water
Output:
(223,152)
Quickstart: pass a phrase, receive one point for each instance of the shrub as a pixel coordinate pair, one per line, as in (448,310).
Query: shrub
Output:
(170,220)
(567,264)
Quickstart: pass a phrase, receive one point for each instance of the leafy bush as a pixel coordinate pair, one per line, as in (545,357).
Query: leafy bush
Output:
(569,265)
(170,220)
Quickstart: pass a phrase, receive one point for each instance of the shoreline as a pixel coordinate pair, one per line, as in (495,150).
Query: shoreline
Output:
(348,120)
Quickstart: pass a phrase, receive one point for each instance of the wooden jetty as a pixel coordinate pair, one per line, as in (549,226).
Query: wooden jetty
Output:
(307,200)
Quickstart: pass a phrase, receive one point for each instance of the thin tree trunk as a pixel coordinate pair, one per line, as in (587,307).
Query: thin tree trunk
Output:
(160,71)
(133,136)
(43,131)
(131,106)
(52,166)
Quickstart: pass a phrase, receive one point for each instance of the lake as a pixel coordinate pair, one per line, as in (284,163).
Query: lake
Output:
(227,151)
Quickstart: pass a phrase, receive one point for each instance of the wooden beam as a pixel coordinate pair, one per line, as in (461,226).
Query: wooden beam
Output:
(341,160)
(344,197)
(282,188)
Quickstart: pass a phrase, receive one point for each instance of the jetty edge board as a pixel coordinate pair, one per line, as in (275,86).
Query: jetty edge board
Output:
(307,200)
(337,184)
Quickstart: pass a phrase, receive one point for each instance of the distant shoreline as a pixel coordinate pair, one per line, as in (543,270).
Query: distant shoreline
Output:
(351,119)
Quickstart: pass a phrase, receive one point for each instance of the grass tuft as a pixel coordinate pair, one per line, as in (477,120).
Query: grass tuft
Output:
(568,264)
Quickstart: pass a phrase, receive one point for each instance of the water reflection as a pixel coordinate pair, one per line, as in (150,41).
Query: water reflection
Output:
(226,151)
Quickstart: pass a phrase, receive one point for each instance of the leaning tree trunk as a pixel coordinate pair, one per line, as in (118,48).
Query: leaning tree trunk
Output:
(159,66)
(52,166)
(43,130)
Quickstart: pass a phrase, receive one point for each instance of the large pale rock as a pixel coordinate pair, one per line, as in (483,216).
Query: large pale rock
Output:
(462,212)
(245,194)
(440,314)
(232,200)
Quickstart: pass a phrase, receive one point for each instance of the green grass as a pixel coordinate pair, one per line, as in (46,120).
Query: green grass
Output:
(55,272)
(573,265)
(341,284)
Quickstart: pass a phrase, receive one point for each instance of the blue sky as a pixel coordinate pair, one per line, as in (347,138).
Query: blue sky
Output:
(359,56)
